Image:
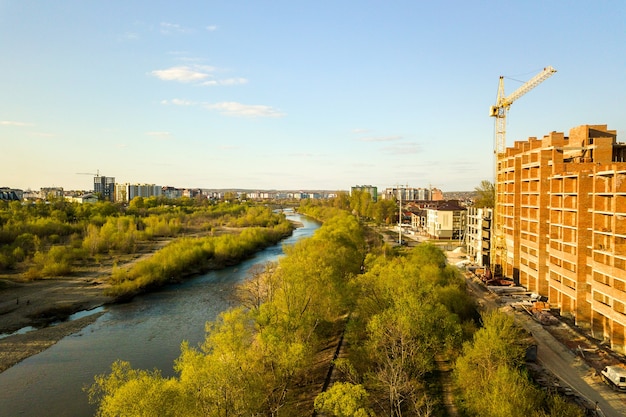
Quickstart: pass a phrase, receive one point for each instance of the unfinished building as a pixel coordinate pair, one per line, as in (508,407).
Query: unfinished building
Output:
(562,205)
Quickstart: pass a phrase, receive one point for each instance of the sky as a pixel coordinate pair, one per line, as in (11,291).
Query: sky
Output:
(294,95)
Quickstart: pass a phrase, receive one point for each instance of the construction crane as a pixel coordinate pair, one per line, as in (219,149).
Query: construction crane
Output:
(503,103)
(97,174)
(499,111)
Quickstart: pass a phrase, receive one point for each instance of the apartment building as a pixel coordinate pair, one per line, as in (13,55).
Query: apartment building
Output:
(127,191)
(447,221)
(477,235)
(562,208)
(371,189)
(105,187)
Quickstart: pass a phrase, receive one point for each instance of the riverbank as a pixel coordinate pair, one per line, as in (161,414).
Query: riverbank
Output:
(16,348)
(44,306)
(39,309)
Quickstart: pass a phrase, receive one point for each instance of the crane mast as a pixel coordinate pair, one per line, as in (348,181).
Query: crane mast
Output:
(503,103)
(499,111)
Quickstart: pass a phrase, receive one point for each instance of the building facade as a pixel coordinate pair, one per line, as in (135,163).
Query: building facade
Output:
(447,221)
(126,192)
(562,211)
(11,194)
(478,234)
(407,194)
(105,187)
(371,189)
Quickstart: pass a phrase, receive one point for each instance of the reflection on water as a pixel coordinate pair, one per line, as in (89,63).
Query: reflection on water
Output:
(146,332)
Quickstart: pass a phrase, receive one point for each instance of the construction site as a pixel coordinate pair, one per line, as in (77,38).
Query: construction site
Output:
(555,242)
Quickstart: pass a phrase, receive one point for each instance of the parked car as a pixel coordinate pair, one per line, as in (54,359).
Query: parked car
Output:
(615,376)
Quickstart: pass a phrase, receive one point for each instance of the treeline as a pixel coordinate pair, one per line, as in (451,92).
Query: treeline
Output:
(47,239)
(359,203)
(254,354)
(193,255)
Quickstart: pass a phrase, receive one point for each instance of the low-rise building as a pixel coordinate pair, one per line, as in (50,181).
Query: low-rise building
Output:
(11,194)
(447,221)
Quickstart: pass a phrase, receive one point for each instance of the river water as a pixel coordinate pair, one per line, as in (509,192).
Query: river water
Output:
(147,332)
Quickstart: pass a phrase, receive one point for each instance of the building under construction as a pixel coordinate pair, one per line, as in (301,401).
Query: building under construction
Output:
(562,209)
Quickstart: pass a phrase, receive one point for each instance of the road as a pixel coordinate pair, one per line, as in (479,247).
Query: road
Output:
(572,370)
(558,359)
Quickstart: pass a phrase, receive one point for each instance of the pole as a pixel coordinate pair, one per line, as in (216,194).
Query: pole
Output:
(400,218)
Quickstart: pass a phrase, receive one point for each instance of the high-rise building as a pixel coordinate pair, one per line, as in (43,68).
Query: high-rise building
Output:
(105,187)
(406,194)
(126,192)
(562,208)
(372,190)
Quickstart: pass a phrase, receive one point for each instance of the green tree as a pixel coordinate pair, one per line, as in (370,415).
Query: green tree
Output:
(343,399)
(492,364)
(136,393)
(486,194)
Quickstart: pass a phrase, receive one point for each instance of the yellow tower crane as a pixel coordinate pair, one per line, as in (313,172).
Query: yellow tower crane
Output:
(499,111)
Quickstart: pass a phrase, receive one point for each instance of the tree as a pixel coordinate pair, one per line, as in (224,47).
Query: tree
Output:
(491,365)
(486,194)
(129,392)
(343,399)
(259,288)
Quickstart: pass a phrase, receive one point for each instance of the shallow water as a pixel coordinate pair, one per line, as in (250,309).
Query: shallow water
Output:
(147,332)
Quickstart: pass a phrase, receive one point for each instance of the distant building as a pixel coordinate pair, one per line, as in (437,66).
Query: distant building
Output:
(192,192)
(105,186)
(48,193)
(372,190)
(406,193)
(84,199)
(171,192)
(11,194)
(126,192)
(436,194)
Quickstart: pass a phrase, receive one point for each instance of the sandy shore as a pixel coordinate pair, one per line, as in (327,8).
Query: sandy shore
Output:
(14,349)
(40,304)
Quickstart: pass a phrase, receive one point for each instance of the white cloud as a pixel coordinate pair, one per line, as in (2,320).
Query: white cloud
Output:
(226,81)
(360,130)
(184,74)
(211,28)
(13,123)
(199,74)
(179,102)
(231,108)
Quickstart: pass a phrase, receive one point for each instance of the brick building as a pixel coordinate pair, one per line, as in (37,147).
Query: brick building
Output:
(562,209)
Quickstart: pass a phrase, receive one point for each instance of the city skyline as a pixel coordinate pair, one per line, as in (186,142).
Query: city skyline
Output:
(279,95)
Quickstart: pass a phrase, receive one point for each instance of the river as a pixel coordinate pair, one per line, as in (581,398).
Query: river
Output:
(147,332)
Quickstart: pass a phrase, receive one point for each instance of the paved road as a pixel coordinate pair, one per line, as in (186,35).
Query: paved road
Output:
(559,360)
(572,370)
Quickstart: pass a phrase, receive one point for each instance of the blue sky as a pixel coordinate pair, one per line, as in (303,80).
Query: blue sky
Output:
(294,94)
